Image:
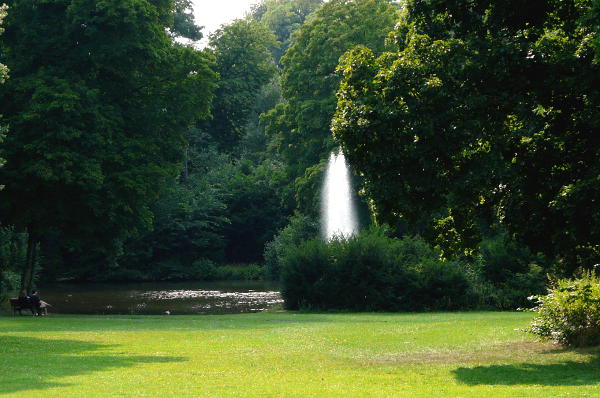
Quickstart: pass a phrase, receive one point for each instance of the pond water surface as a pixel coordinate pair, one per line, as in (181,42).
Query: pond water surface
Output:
(157,298)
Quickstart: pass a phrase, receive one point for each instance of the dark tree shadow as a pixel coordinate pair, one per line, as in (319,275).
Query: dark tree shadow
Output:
(28,363)
(565,373)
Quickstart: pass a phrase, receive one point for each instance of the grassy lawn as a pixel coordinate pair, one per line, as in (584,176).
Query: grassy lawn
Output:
(289,355)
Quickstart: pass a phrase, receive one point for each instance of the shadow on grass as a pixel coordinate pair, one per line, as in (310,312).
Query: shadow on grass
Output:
(94,323)
(564,373)
(30,363)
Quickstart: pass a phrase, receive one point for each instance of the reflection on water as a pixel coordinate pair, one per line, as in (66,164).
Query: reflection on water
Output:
(159,298)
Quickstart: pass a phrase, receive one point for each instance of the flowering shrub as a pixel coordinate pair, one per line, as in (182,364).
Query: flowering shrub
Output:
(570,313)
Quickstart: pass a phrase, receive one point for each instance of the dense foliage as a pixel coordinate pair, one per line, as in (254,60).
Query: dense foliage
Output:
(3,76)
(98,99)
(13,246)
(299,126)
(284,18)
(570,313)
(7,264)
(254,210)
(184,23)
(158,161)
(376,272)
(244,64)
(299,229)
(485,112)
(504,273)
(372,272)
(240,178)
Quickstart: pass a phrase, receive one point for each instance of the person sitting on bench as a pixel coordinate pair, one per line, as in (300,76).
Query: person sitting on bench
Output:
(36,307)
(25,300)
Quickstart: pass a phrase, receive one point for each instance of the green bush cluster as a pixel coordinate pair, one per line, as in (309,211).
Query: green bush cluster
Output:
(200,270)
(514,287)
(208,271)
(510,294)
(570,313)
(299,229)
(506,273)
(245,272)
(372,272)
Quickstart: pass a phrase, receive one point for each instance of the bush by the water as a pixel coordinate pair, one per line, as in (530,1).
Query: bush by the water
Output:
(242,272)
(206,270)
(299,229)
(570,313)
(200,270)
(372,272)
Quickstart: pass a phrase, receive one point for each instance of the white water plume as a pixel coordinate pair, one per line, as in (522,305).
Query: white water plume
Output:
(337,204)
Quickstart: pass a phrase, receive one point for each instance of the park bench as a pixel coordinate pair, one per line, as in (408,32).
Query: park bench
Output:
(20,305)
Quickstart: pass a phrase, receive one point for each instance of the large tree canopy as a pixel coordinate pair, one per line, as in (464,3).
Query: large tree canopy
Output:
(300,126)
(284,18)
(487,111)
(98,102)
(184,22)
(244,63)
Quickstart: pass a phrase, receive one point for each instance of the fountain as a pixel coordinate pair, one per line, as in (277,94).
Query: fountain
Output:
(337,204)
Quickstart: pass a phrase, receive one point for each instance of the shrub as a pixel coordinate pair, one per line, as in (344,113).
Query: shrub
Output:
(501,258)
(249,272)
(570,313)
(305,280)
(366,273)
(371,272)
(203,269)
(504,273)
(510,294)
(9,282)
(515,291)
(299,229)
(442,286)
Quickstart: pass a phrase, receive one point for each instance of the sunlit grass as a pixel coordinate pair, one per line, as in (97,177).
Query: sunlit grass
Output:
(288,355)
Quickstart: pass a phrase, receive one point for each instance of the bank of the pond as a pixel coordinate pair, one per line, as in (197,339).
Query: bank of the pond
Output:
(288,355)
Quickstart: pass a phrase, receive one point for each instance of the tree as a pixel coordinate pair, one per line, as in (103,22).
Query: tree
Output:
(97,104)
(225,205)
(484,113)
(184,22)
(8,250)
(300,126)
(244,64)
(284,18)
(254,209)
(255,142)
(190,218)
(3,76)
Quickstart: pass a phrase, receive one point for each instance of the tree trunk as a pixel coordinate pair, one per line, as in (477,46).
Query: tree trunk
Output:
(28,271)
(186,171)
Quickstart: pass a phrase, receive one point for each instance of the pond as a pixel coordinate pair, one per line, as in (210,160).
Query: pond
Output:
(157,298)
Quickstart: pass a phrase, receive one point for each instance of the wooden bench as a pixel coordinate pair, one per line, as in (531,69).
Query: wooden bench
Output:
(20,305)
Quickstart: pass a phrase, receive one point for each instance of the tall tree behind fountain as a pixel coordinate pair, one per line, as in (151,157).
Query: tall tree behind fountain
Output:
(337,203)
